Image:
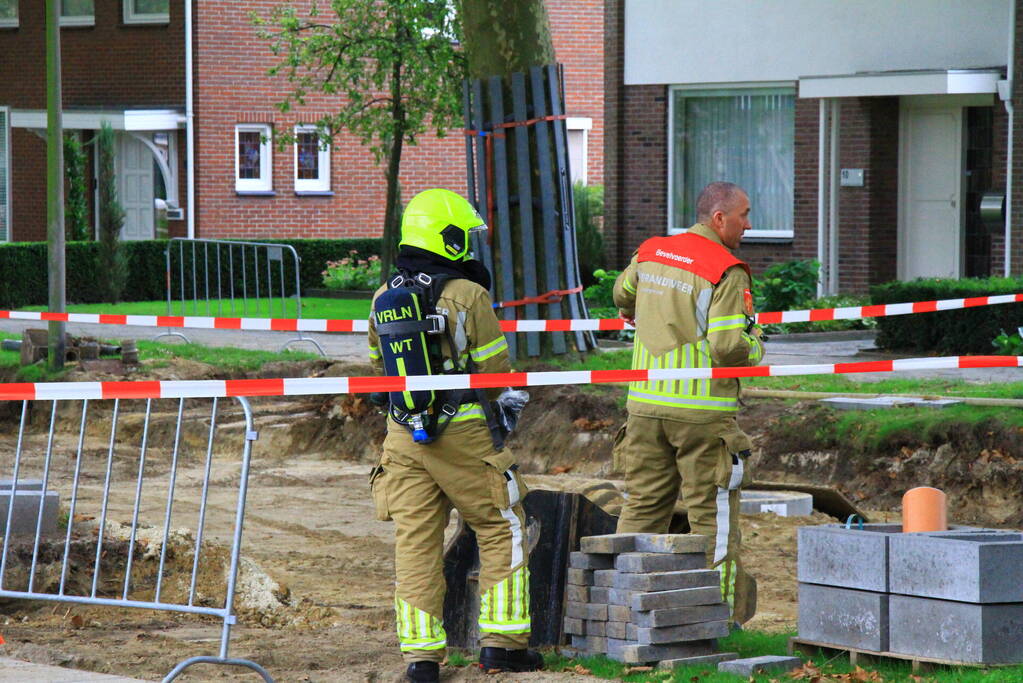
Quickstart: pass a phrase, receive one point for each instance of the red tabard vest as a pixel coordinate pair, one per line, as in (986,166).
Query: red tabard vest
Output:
(692,253)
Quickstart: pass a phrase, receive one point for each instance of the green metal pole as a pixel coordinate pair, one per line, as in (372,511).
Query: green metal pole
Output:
(54,184)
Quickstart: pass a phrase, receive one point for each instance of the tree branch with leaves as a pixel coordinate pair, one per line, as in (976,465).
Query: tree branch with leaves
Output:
(394,67)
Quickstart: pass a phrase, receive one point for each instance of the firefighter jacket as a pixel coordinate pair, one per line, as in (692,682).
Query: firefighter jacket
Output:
(473,329)
(693,309)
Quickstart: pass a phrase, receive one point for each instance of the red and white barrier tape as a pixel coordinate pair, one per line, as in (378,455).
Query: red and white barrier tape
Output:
(597,324)
(355,385)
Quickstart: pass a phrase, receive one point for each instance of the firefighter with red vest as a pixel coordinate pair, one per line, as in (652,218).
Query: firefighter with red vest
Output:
(691,302)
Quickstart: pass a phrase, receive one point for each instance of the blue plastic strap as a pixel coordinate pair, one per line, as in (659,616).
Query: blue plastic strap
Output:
(849,522)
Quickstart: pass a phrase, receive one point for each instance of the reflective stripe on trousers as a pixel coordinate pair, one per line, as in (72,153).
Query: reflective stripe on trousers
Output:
(418,630)
(504,608)
(723,518)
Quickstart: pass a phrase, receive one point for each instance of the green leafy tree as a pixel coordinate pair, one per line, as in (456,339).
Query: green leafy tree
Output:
(394,67)
(113,260)
(76,212)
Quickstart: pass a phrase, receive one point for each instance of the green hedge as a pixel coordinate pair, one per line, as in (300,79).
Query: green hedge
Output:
(24,268)
(960,331)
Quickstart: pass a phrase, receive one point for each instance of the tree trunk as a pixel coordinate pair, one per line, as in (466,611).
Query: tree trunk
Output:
(502,37)
(392,212)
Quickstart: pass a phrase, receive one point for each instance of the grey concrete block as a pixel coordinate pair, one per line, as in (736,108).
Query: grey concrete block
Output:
(23,484)
(619,612)
(680,615)
(671,543)
(620,597)
(590,561)
(634,563)
(873,403)
(666,581)
(605,578)
(679,598)
(25,516)
(586,610)
(579,577)
(596,645)
(596,628)
(957,631)
(681,634)
(781,503)
(697,661)
(764,664)
(608,543)
(575,627)
(968,567)
(579,643)
(832,555)
(631,653)
(843,616)
(577,593)
(617,630)
(599,594)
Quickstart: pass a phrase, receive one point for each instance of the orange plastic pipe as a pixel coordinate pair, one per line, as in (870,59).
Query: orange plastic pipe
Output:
(924,509)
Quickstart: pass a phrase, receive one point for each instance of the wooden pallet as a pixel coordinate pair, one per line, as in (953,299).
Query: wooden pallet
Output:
(858,657)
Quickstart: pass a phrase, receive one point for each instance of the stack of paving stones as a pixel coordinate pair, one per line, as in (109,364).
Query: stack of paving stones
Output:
(955,595)
(645,598)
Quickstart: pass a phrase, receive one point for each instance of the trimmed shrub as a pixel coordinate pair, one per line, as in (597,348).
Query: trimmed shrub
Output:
(954,332)
(25,267)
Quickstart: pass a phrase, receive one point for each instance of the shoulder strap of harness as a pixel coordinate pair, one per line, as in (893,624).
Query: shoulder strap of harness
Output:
(691,252)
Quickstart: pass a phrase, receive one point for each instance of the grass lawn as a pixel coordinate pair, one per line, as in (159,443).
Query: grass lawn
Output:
(312,307)
(157,355)
(756,643)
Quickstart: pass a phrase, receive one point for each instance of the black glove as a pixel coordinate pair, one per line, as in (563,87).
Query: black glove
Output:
(379,398)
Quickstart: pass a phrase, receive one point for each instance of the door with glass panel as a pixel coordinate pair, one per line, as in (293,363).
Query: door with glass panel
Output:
(135,188)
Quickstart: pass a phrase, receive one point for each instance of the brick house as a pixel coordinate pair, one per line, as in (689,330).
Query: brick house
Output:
(866,132)
(125,63)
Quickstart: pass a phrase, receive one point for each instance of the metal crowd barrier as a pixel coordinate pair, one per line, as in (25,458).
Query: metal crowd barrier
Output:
(111,473)
(239,279)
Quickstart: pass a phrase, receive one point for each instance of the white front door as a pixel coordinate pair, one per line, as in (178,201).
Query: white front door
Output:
(930,188)
(135,188)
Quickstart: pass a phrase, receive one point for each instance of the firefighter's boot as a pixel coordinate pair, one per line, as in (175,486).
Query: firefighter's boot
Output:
(423,672)
(500,659)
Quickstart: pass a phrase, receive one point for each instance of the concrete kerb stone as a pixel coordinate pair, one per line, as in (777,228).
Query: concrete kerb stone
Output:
(579,560)
(956,631)
(697,661)
(579,577)
(586,610)
(671,543)
(631,653)
(967,567)
(577,593)
(641,563)
(684,597)
(25,515)
(604,578)
(678,616)
(666,581)
(781,503)
(600,594)
(682,633)
(608,543)
(843,616)
(765,664)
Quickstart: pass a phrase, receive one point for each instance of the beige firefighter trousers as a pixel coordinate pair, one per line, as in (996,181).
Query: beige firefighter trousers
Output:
(662,457)
(417,485)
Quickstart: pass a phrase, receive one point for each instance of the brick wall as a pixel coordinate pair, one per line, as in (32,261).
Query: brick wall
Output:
(1016,254)
(109,64)
(28,186)
(999,159)
(233,87)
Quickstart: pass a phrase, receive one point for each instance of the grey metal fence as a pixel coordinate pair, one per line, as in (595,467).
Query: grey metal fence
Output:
(208,277)
(117,460)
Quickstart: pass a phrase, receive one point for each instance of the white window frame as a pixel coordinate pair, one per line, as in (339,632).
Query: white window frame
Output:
(264,183)
(585,124)
(133,17)
(79,19)
(11,22)
(320,184)
(696,89)
(5,132)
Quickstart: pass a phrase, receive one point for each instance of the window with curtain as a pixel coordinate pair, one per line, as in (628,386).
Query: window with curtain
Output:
(8,13)
(77,12)
(744,136)
(146,11)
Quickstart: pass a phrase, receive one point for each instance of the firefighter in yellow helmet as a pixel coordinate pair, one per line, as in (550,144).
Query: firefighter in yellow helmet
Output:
(441,451)
(691,302)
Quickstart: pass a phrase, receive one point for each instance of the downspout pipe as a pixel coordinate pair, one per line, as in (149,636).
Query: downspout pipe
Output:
(189,124)
(1010,109)
(833,178)
(822,196)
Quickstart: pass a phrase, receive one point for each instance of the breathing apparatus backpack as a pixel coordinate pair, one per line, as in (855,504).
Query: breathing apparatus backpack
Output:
(411,332)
